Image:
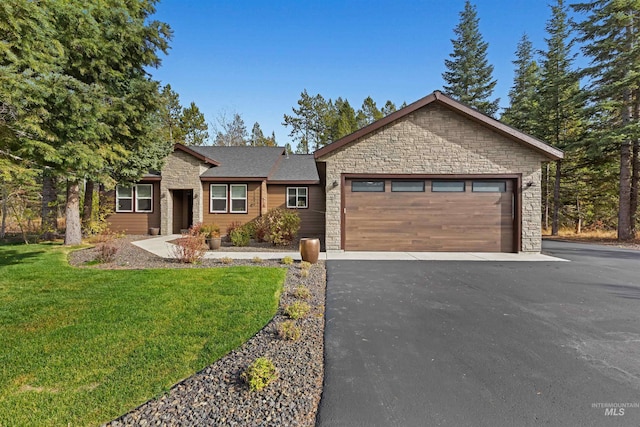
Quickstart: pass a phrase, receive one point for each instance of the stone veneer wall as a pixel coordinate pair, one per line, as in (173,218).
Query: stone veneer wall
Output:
(181,172)
(435,140)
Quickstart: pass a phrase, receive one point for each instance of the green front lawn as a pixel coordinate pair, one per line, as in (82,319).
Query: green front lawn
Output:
(83,346)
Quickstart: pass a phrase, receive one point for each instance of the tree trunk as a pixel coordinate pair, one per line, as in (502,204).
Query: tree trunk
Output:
(635,171)
(579,221)
(49,199)
(87,209)
(625,229)
(73,234)
(556,200)
(5,206)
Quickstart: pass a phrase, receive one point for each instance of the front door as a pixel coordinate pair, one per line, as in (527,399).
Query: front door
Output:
(182,210)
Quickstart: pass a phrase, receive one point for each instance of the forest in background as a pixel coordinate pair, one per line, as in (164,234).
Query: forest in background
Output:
(79,111)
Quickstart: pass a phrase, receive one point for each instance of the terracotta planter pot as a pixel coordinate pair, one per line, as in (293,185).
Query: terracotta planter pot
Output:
(214,243)
(310,250)
(153,231)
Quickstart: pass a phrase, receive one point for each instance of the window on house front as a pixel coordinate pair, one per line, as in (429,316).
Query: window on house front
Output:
(137,198)
(238,198)
(144,197)
(124,199)
(297,197)
(447,186)
(218,198)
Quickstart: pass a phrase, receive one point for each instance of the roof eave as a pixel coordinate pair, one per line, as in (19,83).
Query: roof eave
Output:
(195,154)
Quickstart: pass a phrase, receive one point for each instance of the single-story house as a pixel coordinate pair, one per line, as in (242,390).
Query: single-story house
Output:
(433,176)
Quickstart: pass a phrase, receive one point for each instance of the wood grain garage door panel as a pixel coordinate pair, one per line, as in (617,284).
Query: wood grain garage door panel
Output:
(429,221)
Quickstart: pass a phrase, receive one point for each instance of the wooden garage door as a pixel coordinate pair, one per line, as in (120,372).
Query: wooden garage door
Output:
(467,215)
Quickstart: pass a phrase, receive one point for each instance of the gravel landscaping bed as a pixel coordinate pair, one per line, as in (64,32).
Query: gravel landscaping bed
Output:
(217,395)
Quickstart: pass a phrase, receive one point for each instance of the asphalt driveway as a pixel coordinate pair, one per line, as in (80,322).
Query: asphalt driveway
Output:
(420,343)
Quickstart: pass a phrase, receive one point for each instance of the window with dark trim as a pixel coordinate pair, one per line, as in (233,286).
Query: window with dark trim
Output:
(228,198)
(238,198)
(218,202)
(144,197)
(136,198)
(489,186)
(297,197)
(407,186)
(447,186)
(367,186)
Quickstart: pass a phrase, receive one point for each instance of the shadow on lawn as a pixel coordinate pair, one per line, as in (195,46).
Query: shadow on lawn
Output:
(9,255)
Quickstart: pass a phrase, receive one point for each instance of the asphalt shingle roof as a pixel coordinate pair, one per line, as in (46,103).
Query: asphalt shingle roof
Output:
(259,162)
(241,162)
(296,167)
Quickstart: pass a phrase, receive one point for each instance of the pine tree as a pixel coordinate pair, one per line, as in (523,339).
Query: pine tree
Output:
(193,125)
(469,76)
(309,122)
(610,34)
(524,103)
(231,133)
(559,97)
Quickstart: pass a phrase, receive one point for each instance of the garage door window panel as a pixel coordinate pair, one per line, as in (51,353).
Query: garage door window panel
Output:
(407,186)
(367,186)
(448,186)
(489,186)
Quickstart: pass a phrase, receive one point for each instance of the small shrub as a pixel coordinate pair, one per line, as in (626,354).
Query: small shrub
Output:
(287,260)
(190,248)
(210,230)
(302,292)
(250,229)
(259,374)
(231,227)
(288,330)
(304,273)
(196,229)
(257,260)
(226,260)
(106,252)
(305,265)
(240,237)
(297,310)
(261,229)
(283,226)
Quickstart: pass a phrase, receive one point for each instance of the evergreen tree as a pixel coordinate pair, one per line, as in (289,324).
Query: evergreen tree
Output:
(95,109)
(193,125)
(469,76)
(368,113)
(258,139)
(309,122)
(345,121)
(524,103)
(389,107)
(170,114)
(560,117)
(610,36)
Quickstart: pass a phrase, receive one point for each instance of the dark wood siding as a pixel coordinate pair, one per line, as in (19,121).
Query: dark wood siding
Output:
(224,220)
(429,221)
(134,222)
(311,218)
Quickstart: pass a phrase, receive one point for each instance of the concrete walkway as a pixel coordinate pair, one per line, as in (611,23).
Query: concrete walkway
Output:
(161,247)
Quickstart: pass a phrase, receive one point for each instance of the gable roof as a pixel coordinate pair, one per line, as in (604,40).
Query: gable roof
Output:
(257,164)
(300,168)
(457,107)
(196,154)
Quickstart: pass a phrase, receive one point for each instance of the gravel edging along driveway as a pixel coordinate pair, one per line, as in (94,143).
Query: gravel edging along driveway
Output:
(217,395)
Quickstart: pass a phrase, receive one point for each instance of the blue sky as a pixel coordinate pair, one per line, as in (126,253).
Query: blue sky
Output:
(256,57)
